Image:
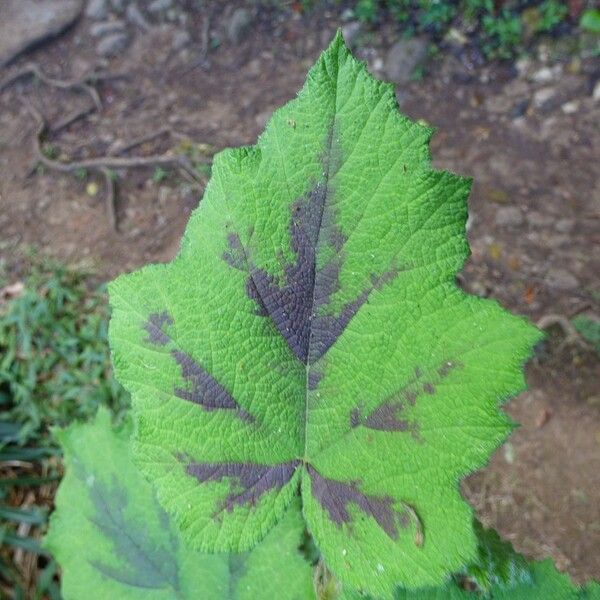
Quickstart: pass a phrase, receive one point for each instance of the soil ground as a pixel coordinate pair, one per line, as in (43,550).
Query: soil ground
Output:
(534,226)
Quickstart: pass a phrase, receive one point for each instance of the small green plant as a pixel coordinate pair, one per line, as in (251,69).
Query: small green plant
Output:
(309,385)
(159,175)
(589,329)
(500,29)
(552,13)
(504,34)
(590,20)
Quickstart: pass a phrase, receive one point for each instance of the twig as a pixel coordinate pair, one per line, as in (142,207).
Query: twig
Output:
(141,140)
(109,199)
(64,123)
(205,37)
(109,162)
(83,84)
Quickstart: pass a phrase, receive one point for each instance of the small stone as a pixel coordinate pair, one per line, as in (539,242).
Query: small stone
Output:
(565,225)
(378,64)
(112,44)
(181,39)
(497,196)
(498,104)
(538,219)
(97,9)
(106,27)
(26,23)
(542,97)
(519,109)
(523,65)
(570,108)
(159,6)
(135,17)
(118,5)
(238,25)
(561,279)
(404,57)
(544,75)
(508,216)
(351,31)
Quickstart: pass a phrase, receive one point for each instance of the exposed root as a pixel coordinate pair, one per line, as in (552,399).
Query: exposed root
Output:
(84,84)
(105,164)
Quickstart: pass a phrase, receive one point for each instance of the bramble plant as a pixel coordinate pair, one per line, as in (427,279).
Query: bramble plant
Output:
(308,383)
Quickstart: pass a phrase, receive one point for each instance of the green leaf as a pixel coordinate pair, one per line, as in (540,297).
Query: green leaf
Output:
(310,334)
(590,20)
(113,540)
(497,564)
(499,573)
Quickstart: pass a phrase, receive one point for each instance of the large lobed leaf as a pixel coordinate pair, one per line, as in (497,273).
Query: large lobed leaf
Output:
(310,336)
(113,540)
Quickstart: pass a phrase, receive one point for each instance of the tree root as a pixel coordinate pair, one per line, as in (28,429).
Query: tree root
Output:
(104,164)
(84,84)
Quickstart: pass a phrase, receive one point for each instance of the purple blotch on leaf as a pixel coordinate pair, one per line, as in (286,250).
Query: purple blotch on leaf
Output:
(387,416)
(203,389)
(295,303)
(336,496)
(248,481)
(154,326)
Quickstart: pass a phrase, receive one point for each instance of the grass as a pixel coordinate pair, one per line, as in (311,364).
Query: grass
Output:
(54,368)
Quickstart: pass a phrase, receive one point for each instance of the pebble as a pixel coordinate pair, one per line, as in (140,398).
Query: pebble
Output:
(118,5)
(538,219)
(561,279)
(135,17)
(159,5)
(181,39)
(570,108)
(565,225)
(542,96)
(238,25)
(112,44)
(106,27)
(547,74)
(97,9)
(508,216)
(404,57)
(498,104)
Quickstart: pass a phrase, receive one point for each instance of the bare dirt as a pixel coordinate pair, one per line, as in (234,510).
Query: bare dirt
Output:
(534,227)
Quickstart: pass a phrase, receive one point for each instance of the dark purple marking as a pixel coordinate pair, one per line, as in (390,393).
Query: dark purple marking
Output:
(294,304)
(154,326)
(386,417)
(204,389)
(335,496)
(249,481)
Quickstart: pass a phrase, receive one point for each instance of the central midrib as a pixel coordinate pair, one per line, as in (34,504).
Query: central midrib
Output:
(327,158)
